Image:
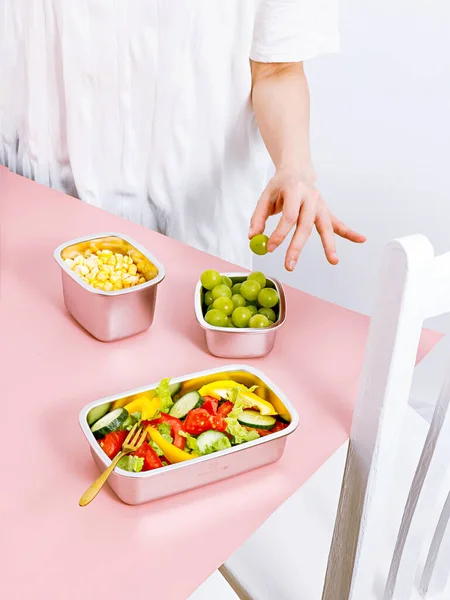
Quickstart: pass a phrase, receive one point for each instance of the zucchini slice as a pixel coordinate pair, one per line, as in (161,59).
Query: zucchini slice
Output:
(252,418)
(186,403)
(97,413)
(110,422)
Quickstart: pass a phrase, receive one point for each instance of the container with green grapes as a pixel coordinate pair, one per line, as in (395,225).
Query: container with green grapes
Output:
(240,313)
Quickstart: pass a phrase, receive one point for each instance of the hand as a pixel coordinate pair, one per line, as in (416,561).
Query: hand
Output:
(294,195)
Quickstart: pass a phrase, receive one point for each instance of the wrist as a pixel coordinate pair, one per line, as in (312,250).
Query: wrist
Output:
(304,171)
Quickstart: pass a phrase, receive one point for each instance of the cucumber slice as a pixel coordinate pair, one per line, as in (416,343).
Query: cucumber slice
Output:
(110,422)
(186,403)
(97,413)
(253,418)
(174,388)
(212,441)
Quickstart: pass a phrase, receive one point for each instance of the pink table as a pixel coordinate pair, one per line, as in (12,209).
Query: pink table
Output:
(50,368)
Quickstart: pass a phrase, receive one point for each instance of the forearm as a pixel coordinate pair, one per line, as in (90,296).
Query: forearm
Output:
(280,98)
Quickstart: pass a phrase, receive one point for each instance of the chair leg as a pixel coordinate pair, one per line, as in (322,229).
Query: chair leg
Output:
(234,584)
(436,572)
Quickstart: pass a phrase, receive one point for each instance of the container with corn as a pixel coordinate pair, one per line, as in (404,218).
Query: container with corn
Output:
(109,284)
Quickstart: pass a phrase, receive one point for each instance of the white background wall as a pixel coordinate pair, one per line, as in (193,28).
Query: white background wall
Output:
(381,142)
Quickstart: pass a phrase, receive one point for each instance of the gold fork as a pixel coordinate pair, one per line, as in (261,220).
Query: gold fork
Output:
(134,439)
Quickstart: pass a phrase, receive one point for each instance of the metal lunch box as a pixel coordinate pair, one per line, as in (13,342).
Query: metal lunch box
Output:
(114,315)
(137,488)
(245,342)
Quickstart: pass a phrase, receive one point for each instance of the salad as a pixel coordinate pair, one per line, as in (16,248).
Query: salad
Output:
(217,416)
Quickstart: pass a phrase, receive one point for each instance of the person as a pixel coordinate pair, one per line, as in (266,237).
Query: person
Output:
(165,112)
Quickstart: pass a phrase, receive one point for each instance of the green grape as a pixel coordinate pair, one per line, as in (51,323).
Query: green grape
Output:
(236,289)
(268,298)
(258,244)
(224,304)
(250,290)
(259,277)
(259,321)
(227,281)
(216,318)
(252,308)
(210,279)
(269,313)
(208,298)
(221,290)
(238,300)
(210,307)
(241,316)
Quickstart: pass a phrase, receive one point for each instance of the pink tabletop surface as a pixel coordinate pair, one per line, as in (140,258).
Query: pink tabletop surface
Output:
(51,368)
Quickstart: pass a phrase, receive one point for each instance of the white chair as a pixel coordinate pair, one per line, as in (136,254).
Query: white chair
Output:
(390,510)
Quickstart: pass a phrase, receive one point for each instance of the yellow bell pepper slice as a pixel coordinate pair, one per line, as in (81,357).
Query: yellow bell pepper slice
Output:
(171,452)
(148,408)
(220,390)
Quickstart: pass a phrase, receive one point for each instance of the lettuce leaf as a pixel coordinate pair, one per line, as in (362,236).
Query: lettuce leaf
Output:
(131,420)
(156,448)
(223,443)
(131,463)
(191,442)
(165,430)
(240,434)
(163,393)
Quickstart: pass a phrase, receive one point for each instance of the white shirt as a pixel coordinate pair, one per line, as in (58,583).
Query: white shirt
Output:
(143,107)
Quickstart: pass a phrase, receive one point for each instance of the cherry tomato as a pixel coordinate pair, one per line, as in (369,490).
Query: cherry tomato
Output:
(210,404)
(175,425)
(225,409)
(151,459)
(111,444)
(199,420)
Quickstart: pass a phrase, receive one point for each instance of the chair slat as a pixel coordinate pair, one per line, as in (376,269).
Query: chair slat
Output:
(387,374)
(429,477)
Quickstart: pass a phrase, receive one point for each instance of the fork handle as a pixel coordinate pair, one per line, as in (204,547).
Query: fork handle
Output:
(94,489)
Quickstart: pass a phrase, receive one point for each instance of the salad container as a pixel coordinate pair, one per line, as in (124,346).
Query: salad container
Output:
(137,488)
(244,342)
(114,315)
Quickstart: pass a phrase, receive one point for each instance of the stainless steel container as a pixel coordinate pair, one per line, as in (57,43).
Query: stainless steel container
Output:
(137,488)
(109,316)
(245,342)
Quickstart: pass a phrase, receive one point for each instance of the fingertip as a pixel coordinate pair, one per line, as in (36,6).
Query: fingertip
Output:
(333,258)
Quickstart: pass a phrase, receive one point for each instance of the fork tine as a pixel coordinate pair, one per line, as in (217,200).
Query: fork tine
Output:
(131,434)
(136,437)
(142,438)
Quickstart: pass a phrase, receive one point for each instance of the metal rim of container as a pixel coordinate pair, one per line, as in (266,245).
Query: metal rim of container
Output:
(208,327)
(147,474)
(161,271)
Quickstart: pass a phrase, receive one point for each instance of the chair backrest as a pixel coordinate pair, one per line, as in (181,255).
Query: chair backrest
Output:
(415,285)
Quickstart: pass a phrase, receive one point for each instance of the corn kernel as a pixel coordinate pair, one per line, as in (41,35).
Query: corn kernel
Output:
(133,279)
(70,263)
(112,261)
(119,257)
(91,263)
(118,285)
(102,276)
(108,286)
(99,285)
(85,279)
(98,253)
(114,278)
(78,260)
(90,277)
(107,253)
(126,283)
(132,270)
(142,280)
